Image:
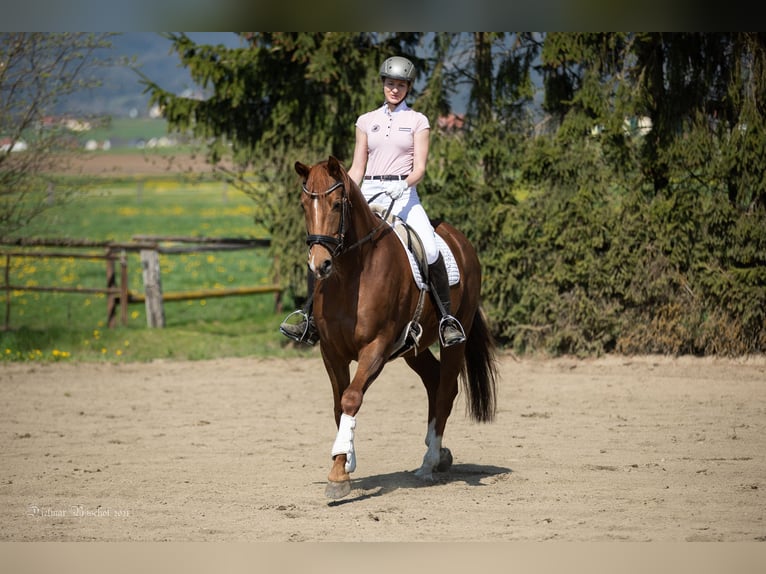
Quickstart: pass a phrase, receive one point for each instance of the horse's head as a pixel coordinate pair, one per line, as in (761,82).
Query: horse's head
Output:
(325,205)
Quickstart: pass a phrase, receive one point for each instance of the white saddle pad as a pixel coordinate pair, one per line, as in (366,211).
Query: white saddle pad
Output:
(453,271)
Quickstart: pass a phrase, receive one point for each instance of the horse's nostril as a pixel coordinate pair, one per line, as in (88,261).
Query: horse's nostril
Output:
(325,268)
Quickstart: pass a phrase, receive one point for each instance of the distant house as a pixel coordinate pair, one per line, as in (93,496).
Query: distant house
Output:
(7,144)
(451,122)
(69,123)
(75,125)
(641,125)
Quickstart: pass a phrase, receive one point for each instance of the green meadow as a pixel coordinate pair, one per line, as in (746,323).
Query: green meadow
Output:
(48,326)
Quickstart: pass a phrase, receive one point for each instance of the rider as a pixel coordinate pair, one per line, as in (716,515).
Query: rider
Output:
(390,155)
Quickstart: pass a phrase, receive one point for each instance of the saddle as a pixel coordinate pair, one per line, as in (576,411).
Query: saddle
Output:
(409,238)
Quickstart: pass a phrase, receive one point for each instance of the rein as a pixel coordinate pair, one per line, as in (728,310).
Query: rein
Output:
(335,243)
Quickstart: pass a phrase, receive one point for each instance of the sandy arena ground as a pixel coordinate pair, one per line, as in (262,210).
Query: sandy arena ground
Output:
(610,449)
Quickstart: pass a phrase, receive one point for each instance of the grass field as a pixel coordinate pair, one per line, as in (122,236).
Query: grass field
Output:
(124,133)
(48,326)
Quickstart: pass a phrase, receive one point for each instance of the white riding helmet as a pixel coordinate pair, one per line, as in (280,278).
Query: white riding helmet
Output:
(398,68)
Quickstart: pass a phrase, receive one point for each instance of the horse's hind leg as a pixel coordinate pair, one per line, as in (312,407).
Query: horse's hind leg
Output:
(427,368)
(441,393)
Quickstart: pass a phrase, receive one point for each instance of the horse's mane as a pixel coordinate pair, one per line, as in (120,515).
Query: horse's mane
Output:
(336,169)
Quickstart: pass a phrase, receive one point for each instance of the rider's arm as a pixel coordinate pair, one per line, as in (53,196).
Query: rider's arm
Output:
(420,158)
(359,163)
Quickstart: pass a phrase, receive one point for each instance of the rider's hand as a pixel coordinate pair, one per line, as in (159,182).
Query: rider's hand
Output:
(395,189)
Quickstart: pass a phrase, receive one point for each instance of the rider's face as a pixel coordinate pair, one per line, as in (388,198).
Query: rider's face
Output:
(395,90)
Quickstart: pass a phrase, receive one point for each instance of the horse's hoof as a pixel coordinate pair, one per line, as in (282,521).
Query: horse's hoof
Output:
(424,474)
(445,460)
(336,490)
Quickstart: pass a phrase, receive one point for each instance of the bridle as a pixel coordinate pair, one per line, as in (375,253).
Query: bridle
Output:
(335,243)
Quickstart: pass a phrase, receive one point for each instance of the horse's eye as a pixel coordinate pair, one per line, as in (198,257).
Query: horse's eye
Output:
(336,205)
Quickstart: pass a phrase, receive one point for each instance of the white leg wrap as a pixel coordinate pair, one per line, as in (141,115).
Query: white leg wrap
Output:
(344,441)
(432,456)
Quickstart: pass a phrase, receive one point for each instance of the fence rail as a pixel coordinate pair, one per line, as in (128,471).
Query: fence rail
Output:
(118,295)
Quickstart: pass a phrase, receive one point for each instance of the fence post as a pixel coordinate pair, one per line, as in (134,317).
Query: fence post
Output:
(123,287)
(278,294)
(7,276)
(110,297)
(150,267)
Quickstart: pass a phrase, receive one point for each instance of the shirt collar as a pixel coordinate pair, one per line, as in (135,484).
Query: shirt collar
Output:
(400,108)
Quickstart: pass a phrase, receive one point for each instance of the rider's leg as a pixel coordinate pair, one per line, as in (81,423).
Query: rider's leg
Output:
(450,330)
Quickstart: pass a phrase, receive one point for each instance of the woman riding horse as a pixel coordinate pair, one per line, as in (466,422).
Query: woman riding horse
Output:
(367,301)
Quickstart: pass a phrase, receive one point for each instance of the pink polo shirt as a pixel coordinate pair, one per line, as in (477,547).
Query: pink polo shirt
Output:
(391,138)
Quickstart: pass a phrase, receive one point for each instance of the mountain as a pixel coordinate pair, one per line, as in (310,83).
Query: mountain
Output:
(121,93)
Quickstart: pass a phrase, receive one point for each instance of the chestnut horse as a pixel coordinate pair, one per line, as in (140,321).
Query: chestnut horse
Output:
(365,297)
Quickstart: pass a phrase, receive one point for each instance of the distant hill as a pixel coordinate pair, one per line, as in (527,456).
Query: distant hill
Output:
(121,94)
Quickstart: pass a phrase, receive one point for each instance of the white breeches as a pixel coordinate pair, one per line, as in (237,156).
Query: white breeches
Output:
(408,208)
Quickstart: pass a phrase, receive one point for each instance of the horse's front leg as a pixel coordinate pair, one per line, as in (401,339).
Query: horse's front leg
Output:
(339,479)
(343,459)
(343,454)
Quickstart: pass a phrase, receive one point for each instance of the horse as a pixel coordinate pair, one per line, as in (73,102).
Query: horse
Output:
(365,298)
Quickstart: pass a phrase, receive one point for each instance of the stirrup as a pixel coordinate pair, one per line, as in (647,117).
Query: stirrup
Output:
(304,331)
(458,336)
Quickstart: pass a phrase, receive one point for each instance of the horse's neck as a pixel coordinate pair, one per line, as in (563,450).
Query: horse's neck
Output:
(364,231)
(364,221)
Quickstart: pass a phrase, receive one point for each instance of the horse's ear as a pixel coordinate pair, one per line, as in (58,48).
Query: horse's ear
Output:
(335,168)
(302,169)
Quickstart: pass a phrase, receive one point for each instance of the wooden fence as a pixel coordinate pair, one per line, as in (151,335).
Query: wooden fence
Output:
(118,296)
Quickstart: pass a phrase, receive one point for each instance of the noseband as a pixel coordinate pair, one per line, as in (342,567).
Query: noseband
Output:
(333,243)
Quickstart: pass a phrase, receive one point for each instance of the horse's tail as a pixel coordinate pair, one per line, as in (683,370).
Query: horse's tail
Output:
(480,372)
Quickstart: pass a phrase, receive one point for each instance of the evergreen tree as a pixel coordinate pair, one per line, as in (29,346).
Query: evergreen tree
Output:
(634,192)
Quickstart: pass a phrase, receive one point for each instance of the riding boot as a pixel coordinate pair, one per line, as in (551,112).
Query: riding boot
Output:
(450,330)
(304,330)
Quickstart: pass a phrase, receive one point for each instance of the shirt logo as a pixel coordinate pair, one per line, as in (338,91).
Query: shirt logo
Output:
(405,129)
(375,128)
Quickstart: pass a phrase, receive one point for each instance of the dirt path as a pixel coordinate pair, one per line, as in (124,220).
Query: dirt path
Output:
(637,449)
(100,164)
